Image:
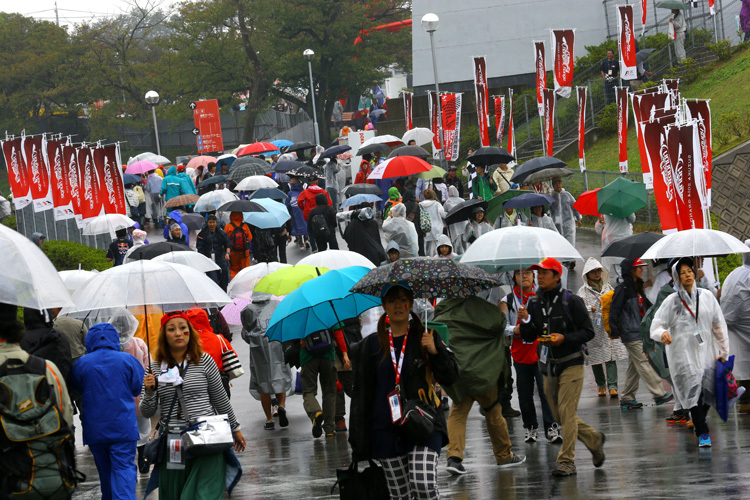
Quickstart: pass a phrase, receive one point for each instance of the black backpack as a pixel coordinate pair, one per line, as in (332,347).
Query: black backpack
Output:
(265,239)
(238,238)
(319,227)
(52,345)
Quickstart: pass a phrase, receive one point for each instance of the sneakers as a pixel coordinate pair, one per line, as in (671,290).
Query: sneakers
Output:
(510,412)
(341,425)
(553,434)
(602,392)
(283,420)
(514,460)
(674,418)
(689,424)
(330,434)
(564,469)
(445,404)
(269,426)
(663,399)
(631,404)
(531,435)
(317,429)
(455,467)
(597,454)
(704,441)
(613,393)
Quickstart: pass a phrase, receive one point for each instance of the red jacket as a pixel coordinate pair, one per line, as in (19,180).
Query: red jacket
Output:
(306,199)
(361,177)
(211,343)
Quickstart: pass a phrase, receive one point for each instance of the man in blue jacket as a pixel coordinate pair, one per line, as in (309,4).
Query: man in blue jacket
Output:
(188,187)
(109,380)
(175,216)
(171,185)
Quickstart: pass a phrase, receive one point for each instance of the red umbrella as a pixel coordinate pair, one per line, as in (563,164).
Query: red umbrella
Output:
(257,148)
(400,166)
(586,204)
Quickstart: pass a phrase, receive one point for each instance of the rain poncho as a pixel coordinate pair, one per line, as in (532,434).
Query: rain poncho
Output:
(443,240)
(564,215)
(187,185)
(437,214)
(455,231)
(394,197)
(362,235)
(176,216)
(476,229)
(735,297)
(391,246)
(544,221)
(505,220)
(299,226)
(397,228)
(331,169)
(614,229)
(692,365)
(171,185)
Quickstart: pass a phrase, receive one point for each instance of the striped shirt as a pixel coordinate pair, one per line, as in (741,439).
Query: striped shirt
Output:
(202,390)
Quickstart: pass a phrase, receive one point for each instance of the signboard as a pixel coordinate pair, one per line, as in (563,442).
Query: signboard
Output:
(355,141)
(207,129)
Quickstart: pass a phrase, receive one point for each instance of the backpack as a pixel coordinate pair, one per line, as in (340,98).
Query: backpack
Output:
(318,342)
(238,239)
(265,239)
(38,459)
(319,227)
(424,220)
(566,294)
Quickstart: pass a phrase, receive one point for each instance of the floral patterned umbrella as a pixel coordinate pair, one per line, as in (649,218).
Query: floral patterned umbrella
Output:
(429,278)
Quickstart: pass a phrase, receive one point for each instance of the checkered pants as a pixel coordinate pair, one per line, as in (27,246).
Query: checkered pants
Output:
(413,475)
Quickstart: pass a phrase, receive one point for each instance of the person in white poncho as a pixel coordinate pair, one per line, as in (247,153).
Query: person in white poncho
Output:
(691,326)
(397,228)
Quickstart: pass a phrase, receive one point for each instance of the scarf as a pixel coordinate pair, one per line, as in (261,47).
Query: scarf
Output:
(595,285)
(523,297)
(511,217)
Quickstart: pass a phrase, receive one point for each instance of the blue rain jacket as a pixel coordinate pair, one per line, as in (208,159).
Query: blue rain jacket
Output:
(176,216)
(299,226)
(171,185)
(109,380)
(188,187)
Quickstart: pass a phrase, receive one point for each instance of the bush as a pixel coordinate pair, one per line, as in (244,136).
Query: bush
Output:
(722,49)
(10,221)
(687,71)
(67,255)
(607,121)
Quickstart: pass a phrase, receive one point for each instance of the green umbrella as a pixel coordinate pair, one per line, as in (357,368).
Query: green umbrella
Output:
(435,173)
(495,205)
(672,4)
(621,197)
(287,279)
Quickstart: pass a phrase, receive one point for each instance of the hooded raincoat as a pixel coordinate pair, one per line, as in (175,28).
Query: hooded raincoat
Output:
(238,259)
(444,240)
(437,213)
(456,230)
(299,226)
(564,215)
(391,246)
(692,363)
(186,184)
(176,216)
(544,221)
(306,199)
(614,229)
(331,169)
(171,185)
(735,297)
(394,197)
(397,228)
(475,229)
(505,220)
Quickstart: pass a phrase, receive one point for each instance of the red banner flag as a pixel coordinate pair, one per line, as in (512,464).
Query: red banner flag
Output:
(549,120)
(644,10)
(541,75)
(109,173)
(626,42)
(701,112)
(562,51)
(70,171)
(408,97)
(91,203)
(511,133)
(17,173)
(648,107)
(622,127)
(681,152)
(499,118)
(63,208)
(672,87)
(711,8)
(436,139)
(659,160)
(581,91)
(451,109)
(33,156)
(480,88)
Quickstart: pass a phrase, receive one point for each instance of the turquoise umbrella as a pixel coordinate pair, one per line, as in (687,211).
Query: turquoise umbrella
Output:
(275,216)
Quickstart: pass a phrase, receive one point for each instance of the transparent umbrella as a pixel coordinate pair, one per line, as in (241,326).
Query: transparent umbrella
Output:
(255,182)
(74,279)
(108,224)
(209,202)
(244,281)
(337,259)
(695,243)
(197,261)
(152,157)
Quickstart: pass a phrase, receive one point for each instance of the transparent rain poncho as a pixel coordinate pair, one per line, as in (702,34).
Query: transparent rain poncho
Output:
(397,228)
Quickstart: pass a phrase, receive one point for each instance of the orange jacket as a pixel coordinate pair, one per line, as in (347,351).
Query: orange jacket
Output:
(236,219)
(211,343)
(361,177)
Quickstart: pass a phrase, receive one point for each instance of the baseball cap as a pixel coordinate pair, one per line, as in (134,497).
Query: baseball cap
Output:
(453,167)
(639,263)
(180,168)
(548,263)
(403,284)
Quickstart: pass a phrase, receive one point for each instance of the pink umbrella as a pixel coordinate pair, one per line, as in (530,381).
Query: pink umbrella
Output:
(141,167)
(231,312)
(200,161)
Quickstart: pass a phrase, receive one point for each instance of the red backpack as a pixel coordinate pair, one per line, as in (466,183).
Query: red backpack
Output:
(238,239)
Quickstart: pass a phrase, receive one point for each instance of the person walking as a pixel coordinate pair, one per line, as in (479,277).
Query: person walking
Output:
(559,317)
(321,224)
(540,218)
(362,235)
(436,212)
(457,229)
(307,201)
(511,217)
(364,171)
(477,226)
(383,384)
(735,297)
(119,247)
(213,242)
(154,202)
(565,217)
(397,228)
(240,237)
(171,185)
(629,305)
(613,229)
(483,186)
(299,226)
(109,380)
(679,25)
(331,170)
(603,351)
(692,327)
(451,179)
(501,176)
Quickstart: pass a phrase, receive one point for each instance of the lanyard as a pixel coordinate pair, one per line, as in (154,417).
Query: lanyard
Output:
(397,366)
(548,310)
(697,306)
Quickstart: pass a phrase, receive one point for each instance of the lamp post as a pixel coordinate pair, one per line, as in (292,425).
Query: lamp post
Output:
(308,53)
(152,98)
(430,23)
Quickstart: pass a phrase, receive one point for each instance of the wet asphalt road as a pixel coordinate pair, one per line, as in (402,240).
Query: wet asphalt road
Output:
(646,458)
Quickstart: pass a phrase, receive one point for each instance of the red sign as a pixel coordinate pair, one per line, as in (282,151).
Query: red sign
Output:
(70,171)
(511,132)
(480,88)
(499,118)
(622,127)
(407,110)
(541,75)
(38,174)
(436,139)
(59,181)
(207,126)
(111,189)
(700,111)
(549,120)
(17,173)
(562,49)
(451,108)
(91,202)
(626,42)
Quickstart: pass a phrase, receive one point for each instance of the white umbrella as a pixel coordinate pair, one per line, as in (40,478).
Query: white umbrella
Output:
(152,157)
(337,259)
(28,279)
(255,182)
(241,287)
(75,279)
(420,135)
(196,260)
(212,200)
(518,247)
(387,139)
(107,224)
(695,243)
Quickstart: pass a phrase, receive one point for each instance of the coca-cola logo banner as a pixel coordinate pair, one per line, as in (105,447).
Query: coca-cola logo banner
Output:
(451,110)
(626,42)
(562,44)
(17,174)
(541,75)
(408,96)
(111,190)
(60,182)
(582,93)
(499,102)
(480,89)
(33,154)
(549,120)
(622,127)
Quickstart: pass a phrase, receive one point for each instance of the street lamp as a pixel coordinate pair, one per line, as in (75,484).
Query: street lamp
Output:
(152,98)
(430,23)
(308,53)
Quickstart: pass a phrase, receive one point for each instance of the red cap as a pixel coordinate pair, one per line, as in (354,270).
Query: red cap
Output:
(180,168)
(173,315)
(639,263)
(548,263)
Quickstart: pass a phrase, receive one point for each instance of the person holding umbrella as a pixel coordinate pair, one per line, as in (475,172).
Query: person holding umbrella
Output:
(239,243)
(436,212)
(299,226)
(213,242)
(477,226)
(613,229)
(501,176)
(364,171)
(483,186)
(679,25)
(456,229)
(735,296)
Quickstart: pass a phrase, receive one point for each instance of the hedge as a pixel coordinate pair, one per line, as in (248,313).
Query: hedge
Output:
(67,255)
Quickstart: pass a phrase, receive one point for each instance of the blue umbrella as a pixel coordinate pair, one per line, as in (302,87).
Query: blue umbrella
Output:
(361,198)
(281,143)
(529,200)
(275,216)
(131,179)
(319,304)
(287,165)
(270,193)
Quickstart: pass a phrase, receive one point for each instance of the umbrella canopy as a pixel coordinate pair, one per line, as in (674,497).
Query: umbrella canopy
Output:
(74,279)
(131,179)
(535,165)
(529,200)
(495,205)
(695,243)
(319,304)
(211,201)
(258,148)
(417,151)
(548,174)
(255,182)
(270,193)
(107,224)
(621,197)
(232,313)
(371,148)
(377,112)
(194,221)
(434,173)
(587,204)
(355,189)
(152,157)
(388,140)
(182,200)
(244,281)
(287,165)
(401,166)
(247,160)
(420,135)
(281,143)
(518,247)
(286,280)
(361,198)
(672,4)
(195,260)
(428,278)
(306,171)
(337,259)
(31,280)
(147,252)
(642,55)
(490,155)
(299,148)
(633,246)
(334,151)
(200,161)
(241,206)
(245,170)
(212,181)
(141,167)
(463,210)
(276,214)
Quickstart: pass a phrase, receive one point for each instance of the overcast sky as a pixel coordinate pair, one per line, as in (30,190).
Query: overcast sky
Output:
(75,11)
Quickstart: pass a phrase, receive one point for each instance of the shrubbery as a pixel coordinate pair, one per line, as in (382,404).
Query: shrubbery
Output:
(10,221)
(607,121)
(66,255)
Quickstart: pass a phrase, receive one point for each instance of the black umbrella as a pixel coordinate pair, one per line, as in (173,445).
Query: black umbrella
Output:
(642,55)
(148,252)
(305,171)
(529,200)
(535,165)
(241,206)
(285,166)
(334,151)
(211,181)
(248,169)
(490,155)
(371,148)
(301,147)
(417,151)
(353,189)
(194,222)
(247,160)
(633,246)
(272,193)
(463,210)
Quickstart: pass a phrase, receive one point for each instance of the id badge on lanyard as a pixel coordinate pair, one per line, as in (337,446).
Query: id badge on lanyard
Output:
(394,403)
(394,397)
